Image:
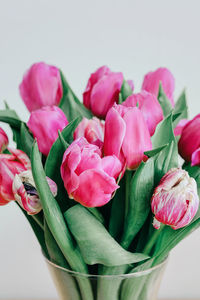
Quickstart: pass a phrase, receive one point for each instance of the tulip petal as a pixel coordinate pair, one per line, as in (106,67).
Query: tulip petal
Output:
(195,160)
(112,165)
(179,127)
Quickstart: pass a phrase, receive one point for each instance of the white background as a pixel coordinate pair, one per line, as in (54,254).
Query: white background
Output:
(78,36)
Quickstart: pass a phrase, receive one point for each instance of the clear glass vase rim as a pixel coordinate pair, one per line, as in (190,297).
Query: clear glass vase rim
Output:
(134,274)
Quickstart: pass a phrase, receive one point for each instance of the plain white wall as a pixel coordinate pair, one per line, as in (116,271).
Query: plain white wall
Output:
(79,36)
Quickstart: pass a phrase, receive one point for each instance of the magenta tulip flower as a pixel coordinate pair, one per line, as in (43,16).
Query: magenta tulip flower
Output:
(10,165)
(41,86)
(190,141)
(152,80)
(149,106)
(126,135)
(25,192)
(175,200)
(3,140)
(88,178)
(44,123)
(179,127)
(102,91)
(92,130)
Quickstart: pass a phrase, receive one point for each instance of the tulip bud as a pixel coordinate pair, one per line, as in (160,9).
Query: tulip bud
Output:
(149,106)
(41,86)
(126,135)
(3,140)
(175,200)
(25,192)
(152,80)
(102,91)
(92,130)
(190,141)
(10,165)
(44,123)
(88,178)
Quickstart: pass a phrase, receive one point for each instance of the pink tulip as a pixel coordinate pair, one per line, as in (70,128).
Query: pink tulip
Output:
(25,192)
(152,80)
(149,106)
(10,165)
(92,130)
(41,86)
(88,178)
(44,123)
(179,127)
(175,200)
(126,135)
(3,140)
(190,139)
(102,91)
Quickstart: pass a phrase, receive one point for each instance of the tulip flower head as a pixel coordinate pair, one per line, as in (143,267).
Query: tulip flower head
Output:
(41,86)
(88,178)
(126,135)
(92,130)
(44,123)
(102,91)
(179,127)
(152,80)
(10,165)
(3,140)
(175,200)
(25,192)
(149,106)
(189,142)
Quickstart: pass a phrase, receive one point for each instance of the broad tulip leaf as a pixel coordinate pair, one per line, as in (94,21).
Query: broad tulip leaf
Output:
(181,107)
(164,101)
(95,242)
(164,133)
(155,151)
(126,91)
(26,139)
(141,189)
(70,104)
(9,116)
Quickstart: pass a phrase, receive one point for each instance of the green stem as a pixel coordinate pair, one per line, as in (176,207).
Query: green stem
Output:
(38,221)
(153,239)
(128,176)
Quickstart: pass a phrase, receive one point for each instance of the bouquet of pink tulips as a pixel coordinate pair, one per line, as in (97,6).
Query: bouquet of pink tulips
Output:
(101,182)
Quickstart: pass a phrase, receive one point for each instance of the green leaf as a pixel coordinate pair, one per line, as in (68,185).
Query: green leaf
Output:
(94,241)
(70,104)
(164,133)
(26,139)
(9,116)
(164,101)
(181,107)
(125,91)
(54,160)
(141,190)
(155,151)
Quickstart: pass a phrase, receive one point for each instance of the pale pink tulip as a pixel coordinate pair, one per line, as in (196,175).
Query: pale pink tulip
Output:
(92,130)
(102,91)
(3,140)
(44,123)
(149,106)
(41,86)
(126,135)
(152,80)
(190,139)
(10,165)
(25,192)
(179,127)
(175,200)
(88,178)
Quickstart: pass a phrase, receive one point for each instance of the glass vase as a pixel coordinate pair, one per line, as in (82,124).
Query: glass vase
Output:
(143,285)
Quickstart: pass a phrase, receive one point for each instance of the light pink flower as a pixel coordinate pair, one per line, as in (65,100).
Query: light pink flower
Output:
(179,127)
(44,123)
(10,165)
(92,130)
(126,135)
(3,140)
(175,200)
(190,140)
(25,192)
(88,178)
(41,86)
(102,91)
(152,80)
(149,106)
